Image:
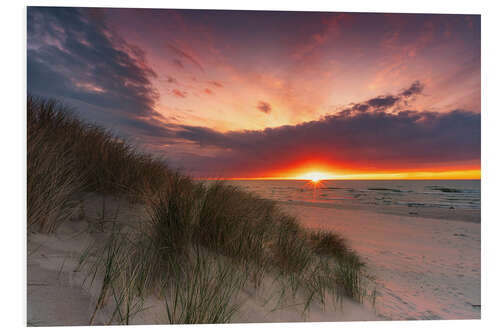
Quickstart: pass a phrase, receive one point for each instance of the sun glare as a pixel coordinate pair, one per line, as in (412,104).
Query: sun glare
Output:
(315,177)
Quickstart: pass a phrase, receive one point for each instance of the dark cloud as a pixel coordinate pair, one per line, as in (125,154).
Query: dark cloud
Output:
(178,63)
(144,128)
(361,107)
(216,83)
(73,54)
(374,140)
(382,102)
(415,88)
(171,79)
(264,107)
(185,55)
(385,102)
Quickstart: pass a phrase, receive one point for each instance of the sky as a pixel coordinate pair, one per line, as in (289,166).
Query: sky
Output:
(268,94)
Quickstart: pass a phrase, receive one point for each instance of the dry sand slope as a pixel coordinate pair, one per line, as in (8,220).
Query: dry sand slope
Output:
(425,268)
(57,294)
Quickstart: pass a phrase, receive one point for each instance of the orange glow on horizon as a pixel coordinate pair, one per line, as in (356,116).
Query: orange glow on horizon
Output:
(317,176)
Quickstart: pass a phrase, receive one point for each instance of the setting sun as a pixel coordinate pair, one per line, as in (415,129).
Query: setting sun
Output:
(315,179)
(316,176)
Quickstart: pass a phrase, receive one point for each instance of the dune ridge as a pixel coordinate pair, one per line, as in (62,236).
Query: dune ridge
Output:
(126,240)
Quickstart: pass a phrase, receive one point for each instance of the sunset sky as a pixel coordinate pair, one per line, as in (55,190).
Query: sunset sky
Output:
(253,94)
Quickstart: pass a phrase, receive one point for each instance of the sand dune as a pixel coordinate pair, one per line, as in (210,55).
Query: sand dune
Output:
(60,294)
(423,268)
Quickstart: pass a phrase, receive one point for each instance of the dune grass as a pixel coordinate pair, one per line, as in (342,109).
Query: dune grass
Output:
(200,244)
(198,259)
(52,178)
(206,291)
(110,164)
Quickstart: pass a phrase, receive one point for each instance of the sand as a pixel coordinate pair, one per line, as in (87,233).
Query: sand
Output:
(424,269)
(60,294)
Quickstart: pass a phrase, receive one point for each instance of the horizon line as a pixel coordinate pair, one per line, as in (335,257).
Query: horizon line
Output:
(305,179)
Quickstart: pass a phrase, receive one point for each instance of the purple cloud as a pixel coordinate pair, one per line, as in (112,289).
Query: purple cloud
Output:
(264,107)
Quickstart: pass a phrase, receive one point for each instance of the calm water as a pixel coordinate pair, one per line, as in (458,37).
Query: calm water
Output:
(430,193)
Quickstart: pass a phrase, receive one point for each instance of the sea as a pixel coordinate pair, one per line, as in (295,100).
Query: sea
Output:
(464,194)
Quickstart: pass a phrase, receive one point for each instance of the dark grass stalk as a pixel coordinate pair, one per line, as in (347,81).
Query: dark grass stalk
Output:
(127,301)
(111,272)
(291,251)
(236,224)
(349,276)
(52,181)
(328,243)
(206,294)
(348,266)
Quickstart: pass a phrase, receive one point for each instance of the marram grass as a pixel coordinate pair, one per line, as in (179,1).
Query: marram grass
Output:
(200,243)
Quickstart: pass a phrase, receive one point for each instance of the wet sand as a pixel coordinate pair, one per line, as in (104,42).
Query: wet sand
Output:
(440,213)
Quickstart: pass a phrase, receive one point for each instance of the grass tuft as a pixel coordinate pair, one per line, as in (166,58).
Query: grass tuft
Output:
(52,178)
(200,243)
(205,293)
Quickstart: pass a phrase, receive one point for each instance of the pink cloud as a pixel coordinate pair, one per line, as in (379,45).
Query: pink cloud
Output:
(179,93)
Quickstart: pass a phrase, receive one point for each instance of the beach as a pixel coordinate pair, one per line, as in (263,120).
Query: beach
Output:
(421,268)
(424,268)
(421,240)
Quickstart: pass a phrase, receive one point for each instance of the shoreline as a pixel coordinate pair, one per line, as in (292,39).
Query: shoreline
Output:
(456,214)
